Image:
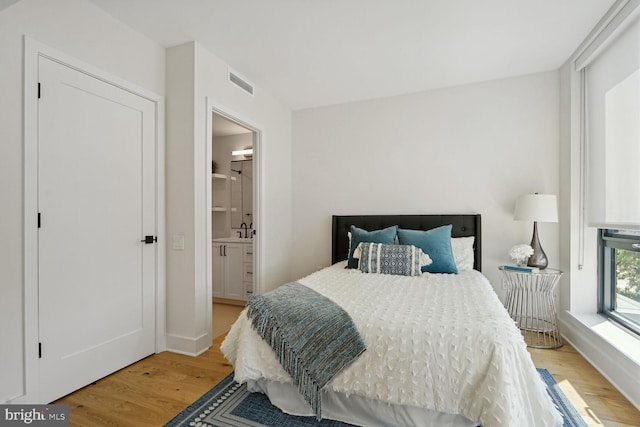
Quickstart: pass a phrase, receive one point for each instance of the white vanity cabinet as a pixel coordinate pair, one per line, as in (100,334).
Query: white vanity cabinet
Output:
(231,271)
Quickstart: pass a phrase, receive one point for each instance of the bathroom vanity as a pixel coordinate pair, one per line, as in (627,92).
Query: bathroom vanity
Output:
(232,268)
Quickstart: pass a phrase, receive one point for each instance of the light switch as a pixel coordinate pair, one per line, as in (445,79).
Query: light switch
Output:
(177,242)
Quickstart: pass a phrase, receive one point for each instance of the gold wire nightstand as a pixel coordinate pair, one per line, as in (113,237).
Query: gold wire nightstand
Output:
(531,305)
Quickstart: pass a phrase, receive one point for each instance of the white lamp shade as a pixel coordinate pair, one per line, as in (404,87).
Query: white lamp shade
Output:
(536,207)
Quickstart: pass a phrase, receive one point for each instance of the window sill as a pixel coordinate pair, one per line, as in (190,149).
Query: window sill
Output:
(623,340)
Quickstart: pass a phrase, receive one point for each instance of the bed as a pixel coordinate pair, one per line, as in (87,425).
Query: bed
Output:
(441,348)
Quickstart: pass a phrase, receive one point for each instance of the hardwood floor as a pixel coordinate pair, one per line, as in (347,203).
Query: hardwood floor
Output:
(224,315)
(149,392)
(154,390)
(595,399)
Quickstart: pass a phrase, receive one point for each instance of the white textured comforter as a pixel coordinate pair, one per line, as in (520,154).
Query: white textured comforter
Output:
(438,341)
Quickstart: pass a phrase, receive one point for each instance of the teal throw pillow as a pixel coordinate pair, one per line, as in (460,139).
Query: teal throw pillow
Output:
(358,235)
(436,243)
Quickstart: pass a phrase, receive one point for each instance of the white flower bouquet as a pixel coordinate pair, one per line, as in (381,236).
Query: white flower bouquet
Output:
(521,253)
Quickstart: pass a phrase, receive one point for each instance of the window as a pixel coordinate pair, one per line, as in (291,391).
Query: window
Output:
(610,89)
(619,281)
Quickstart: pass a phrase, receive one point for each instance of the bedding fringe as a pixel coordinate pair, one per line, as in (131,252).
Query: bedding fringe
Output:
(274,330)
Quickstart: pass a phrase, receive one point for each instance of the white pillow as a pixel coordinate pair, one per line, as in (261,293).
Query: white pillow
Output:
(462,248)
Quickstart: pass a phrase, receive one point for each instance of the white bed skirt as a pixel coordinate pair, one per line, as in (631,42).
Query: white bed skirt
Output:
(355,409)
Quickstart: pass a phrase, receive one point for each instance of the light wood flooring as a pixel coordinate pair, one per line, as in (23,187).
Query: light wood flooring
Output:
(154,390)
(595,399)
(224,315)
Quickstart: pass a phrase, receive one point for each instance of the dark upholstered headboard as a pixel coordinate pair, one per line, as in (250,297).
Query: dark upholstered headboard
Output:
(464,225)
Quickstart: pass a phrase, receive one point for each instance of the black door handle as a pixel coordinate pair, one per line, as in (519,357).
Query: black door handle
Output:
(149,239)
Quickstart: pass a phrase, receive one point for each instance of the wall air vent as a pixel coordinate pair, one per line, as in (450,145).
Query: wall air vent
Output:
(242,83)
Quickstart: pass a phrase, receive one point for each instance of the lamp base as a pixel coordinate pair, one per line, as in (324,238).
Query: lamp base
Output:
(539,258)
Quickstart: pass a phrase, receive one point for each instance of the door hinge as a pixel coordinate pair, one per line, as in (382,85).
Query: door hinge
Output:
(39,350)
(38,90)
(39,223)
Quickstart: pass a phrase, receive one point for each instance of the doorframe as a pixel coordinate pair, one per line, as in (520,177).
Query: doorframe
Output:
(33,50)
(214,107)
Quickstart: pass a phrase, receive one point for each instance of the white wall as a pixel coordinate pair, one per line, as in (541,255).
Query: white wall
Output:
(274,120)
(79,29)
(180,148)
(188,88)
(467,149)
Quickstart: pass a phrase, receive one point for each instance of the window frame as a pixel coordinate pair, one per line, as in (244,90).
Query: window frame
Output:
(608,242)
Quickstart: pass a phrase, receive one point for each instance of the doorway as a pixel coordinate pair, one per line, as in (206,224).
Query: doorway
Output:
(233,263)
(232,178)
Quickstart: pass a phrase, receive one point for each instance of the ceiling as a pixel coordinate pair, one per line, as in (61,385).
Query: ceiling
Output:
(6,3)
(310,53)
(225,127)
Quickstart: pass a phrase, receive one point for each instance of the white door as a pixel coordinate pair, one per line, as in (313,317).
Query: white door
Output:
(96,198)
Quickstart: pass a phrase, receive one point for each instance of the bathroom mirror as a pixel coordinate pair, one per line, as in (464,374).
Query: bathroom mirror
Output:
(241,193)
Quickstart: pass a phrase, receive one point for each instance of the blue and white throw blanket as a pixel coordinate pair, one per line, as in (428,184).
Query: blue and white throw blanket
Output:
(313,337)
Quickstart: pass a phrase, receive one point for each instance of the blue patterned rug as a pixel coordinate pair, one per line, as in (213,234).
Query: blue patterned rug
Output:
(230,404)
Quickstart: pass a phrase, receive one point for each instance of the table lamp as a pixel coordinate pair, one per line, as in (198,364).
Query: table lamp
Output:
(537,208)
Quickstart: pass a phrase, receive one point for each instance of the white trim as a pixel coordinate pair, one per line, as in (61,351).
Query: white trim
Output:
(613,23)
(603,351)
(163,239)
(32,51)
(30,231)
(187,345)
(258,242)
(582,76)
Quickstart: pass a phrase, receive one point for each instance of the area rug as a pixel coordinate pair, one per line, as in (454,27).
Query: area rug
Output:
(231,404)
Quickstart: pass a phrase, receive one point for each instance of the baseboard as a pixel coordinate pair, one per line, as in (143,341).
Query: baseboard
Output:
(239,303)
(619,369)
(187,345)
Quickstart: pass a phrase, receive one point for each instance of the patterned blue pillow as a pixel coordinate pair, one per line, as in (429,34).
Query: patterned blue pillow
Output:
(405,260)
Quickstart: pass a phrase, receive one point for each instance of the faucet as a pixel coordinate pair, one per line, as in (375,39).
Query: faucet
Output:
(244,227)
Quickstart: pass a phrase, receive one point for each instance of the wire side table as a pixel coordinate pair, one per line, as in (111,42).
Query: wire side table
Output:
(531,305)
